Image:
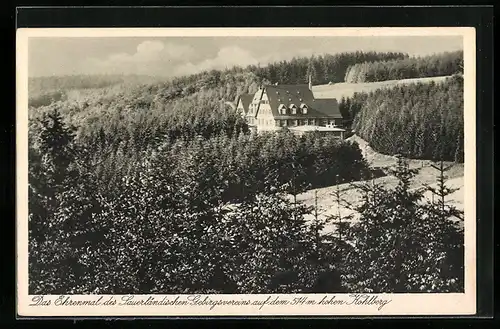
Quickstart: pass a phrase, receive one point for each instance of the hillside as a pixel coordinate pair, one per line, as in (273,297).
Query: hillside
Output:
(127,187)
(426,175)
(435,65)
(47,84)
(339,90)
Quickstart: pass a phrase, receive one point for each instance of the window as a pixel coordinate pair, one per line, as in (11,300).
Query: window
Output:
(282,109)
(293,108)
(303,107)
(294,122)
(303,122)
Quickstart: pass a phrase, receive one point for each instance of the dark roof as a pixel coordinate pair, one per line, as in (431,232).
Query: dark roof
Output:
(298,94)
(328,106)
(246,99)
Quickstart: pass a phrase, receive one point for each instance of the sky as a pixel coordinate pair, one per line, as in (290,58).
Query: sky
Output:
(174,56)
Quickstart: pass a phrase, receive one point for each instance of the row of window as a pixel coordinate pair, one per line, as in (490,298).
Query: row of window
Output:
(292,109)
(304,122)
(292,122)
(285,111)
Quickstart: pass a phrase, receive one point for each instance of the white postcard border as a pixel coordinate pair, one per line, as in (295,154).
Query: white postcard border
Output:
(400,304)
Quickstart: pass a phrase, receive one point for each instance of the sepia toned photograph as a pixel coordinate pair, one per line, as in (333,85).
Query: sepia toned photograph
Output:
(246,171)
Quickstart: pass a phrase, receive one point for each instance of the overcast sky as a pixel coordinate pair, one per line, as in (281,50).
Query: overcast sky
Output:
(171,56)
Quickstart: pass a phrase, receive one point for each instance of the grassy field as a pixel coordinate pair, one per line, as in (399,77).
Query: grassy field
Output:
(339,90)
(426,175)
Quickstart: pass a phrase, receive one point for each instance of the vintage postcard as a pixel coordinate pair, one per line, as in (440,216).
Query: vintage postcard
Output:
(246,172)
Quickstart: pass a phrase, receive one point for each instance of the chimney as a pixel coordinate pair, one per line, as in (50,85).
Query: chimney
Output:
(310,82)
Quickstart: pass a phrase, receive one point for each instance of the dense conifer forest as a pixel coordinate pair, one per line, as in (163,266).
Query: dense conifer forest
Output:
(162,188)
(448,63)
(322,69)
(421,121)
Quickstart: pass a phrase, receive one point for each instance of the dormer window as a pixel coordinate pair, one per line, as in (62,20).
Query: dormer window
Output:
(293,108)
(282,109)
(303,107)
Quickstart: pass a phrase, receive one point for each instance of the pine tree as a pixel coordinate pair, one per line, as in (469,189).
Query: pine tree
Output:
(266,247)
(449,222)
(51,164)
(401,244)
(459,148)
(61,223)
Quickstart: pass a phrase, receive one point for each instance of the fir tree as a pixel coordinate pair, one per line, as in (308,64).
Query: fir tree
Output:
(449,222)
(400,244)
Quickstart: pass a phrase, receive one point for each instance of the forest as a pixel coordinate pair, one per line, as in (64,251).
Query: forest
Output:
(39,85)
(323,69)
(421,121)
(447,63)
(161,188)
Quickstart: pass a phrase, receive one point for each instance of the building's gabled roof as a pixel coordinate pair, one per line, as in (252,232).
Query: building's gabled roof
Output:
(328,106)
(300,94)
(245,99)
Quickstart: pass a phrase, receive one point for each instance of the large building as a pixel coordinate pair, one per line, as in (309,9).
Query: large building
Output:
(273,107)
